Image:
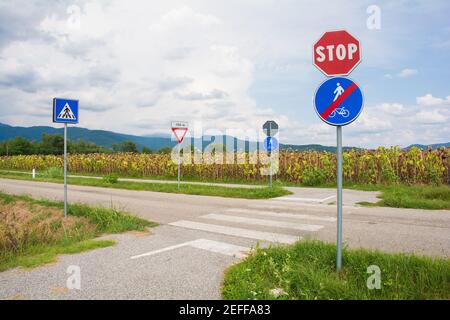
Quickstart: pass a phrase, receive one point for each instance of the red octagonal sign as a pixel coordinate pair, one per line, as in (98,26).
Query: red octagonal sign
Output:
(337,53)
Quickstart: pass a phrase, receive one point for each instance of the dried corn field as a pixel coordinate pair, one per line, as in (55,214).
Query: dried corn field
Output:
(384,165)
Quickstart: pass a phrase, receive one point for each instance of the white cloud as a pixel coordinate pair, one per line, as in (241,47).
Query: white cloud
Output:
(392,108)
(428,100)
(430,117)
(398,124)
(136,63)
(406,73)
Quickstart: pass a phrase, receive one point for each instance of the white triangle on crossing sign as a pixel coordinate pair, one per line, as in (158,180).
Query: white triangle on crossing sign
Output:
(179,133)
(66,113)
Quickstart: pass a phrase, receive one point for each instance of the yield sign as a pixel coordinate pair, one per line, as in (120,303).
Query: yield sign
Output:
(337,53)
(179,129)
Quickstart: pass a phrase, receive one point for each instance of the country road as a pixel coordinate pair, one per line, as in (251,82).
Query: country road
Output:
(199,237)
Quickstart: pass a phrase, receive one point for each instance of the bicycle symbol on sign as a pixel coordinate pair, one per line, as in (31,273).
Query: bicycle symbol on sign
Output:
(340,111)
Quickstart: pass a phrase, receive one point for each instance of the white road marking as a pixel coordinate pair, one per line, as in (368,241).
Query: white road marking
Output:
(151,253)
(221,247)
(328,198)
(289,205)
(237,232)
(204,244)
(262,222)
(283,214)
(303,199)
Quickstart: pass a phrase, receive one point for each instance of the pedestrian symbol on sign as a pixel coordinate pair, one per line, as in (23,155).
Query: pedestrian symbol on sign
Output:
(338,91)
(66,113)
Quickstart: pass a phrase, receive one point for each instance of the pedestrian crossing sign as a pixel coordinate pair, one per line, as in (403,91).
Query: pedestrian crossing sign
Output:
(65,110)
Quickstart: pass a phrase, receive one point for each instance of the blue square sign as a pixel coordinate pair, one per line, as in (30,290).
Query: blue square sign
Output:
(65,110)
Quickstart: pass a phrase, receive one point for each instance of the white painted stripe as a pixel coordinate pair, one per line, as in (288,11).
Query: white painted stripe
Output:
(237,232)
(261,222)
(328,198)
(303,199)
(289,205)
(283,214)
(184,244)
(220,247)
(204,244)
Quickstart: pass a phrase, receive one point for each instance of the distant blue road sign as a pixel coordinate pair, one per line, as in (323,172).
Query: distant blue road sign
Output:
(270,144)
(338,101)
(65,111)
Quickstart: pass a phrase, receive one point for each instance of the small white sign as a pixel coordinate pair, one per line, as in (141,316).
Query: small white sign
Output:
(180,124)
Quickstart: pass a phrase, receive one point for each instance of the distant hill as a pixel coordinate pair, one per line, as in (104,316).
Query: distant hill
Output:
(314,147)
(432,146)
(100,137)
(108,138)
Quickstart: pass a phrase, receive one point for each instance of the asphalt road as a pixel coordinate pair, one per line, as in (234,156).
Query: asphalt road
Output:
(200,237)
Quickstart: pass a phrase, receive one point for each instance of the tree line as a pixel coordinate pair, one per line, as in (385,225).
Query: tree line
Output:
(53,144)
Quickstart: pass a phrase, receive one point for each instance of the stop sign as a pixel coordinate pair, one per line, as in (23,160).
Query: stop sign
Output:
(337,53)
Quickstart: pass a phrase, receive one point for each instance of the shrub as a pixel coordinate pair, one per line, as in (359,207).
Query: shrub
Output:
(53,173)
(111,178)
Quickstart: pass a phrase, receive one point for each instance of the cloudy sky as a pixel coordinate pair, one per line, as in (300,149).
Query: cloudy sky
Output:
(137,65)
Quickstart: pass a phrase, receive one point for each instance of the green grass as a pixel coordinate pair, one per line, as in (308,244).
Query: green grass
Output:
(415,197)
(306,270)
(37,249)
(44,254)
(105,220)
(398,196)
(193,189)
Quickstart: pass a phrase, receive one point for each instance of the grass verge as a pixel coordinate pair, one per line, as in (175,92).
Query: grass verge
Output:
(34,232)
(193,189)
(305,270)
(397,196)
(414,197)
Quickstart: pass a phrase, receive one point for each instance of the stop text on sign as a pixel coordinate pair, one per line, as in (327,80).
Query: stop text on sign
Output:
(341,52)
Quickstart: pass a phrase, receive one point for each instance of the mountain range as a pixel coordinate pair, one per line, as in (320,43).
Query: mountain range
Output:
(108,138)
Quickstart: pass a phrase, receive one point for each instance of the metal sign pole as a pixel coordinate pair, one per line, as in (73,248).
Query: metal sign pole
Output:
(270,157)
(65,169)
(179,165)
(339,198)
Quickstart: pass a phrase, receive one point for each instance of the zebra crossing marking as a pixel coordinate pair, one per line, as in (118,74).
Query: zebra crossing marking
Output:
(297,199)
(237,232)
(283,215)
(263,222)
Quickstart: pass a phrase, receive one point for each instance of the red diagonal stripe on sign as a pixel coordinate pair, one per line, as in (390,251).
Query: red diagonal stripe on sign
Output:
(339,100)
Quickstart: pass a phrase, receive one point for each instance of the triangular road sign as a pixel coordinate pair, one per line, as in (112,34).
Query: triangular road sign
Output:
(66,113)
(179,133)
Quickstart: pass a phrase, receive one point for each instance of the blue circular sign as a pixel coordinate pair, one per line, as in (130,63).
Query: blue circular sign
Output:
(338,101)
(270,144)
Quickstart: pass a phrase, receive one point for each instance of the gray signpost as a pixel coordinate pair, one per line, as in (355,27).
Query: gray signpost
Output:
(179,129)
(338,102)
(65,111)
(65,169)
(270,128)
(339,197)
